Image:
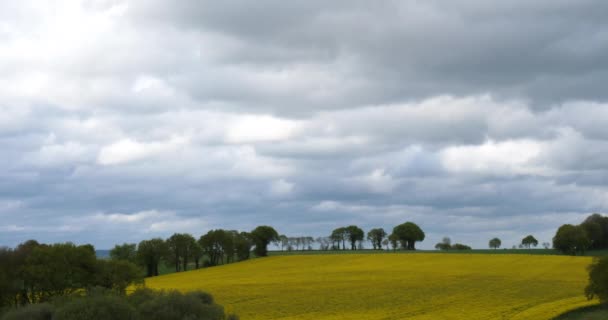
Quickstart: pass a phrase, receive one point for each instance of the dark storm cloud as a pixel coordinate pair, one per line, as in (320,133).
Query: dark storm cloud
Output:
(122,120)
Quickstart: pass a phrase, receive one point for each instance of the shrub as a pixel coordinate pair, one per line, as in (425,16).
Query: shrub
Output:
(174,305)
(598,280)
(43,311)
(96,307)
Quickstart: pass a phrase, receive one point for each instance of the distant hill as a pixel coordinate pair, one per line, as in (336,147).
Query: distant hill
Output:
(103,254)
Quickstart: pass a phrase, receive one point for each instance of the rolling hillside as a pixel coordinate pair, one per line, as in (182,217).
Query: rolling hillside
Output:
(392,286)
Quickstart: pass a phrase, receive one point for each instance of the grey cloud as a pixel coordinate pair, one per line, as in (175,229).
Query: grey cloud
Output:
(305,116)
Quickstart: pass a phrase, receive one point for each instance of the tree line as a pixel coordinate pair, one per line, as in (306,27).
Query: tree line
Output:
(211,249)
(592,233)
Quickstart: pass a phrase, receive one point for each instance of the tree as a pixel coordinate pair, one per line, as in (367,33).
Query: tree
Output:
(445,244)
(596,227)
(196,253)
(598,280)
(408,234)
(242,245)
(394,240)
(339,235)
(126,252)
(528,241)
(354,234)
(150,253)
(58,270)
(284,241)
(571,239)
(212,244)
(180,247)
(376,236)
(459,246)
(495,243)
(262,236)
(117,275)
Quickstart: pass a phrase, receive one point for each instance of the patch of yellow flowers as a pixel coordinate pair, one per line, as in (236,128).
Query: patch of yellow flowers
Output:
(392,286)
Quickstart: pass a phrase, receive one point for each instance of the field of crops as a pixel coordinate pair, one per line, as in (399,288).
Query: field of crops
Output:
(393,286)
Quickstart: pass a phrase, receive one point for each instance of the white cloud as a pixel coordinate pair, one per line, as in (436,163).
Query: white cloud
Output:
(247,129)
(507,157)
(281,187)
(128,150)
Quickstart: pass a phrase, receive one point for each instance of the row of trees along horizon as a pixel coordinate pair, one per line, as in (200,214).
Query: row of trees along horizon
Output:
(35,273)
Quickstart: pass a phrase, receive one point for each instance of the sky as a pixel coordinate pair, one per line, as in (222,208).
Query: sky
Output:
(126,120)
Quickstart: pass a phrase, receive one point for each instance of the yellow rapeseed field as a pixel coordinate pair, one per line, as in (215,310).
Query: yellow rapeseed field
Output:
(392,286)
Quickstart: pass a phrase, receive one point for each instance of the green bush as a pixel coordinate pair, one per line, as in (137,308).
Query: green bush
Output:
(43,311)
(598,280)
(96,307)
(174,305)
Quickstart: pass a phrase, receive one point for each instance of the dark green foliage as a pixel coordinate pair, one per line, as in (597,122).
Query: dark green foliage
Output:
(43,311)
(262,236)
(495,243)
(174,305)
(528,241)
(58,269)
(571,239)
(445,244)
(598,280)
(339,235)
(98,307)
(354,234)
(101,304)
(376,236)
(408,234)
(126,252)
(180,249)
(117,275)
(459,246)
(242,245)
(149,254)
(596,227)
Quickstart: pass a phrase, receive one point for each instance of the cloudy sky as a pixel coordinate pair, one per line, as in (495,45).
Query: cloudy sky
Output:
(125,120)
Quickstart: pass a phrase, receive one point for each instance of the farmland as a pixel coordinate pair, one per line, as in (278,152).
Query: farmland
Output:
(392,286)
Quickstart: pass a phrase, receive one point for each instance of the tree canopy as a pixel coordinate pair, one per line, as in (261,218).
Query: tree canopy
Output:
(528,241)
(571,239)
(262,236)
(408,234)
(495,243)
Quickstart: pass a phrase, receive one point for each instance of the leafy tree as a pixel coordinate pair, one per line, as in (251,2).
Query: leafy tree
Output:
(354,234)
(459,246)
(445,244)
(596,227)
(212,244)
(150,253)
(59,269)
(180,250)
(598,280)
(339,235)
(528,241)
(376,236)
(571,239)
(262,236)
(394,240)
(196,252)
(408,234)
(126,252)
(495,243)
(117,275)
(284,241)
(242,245)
